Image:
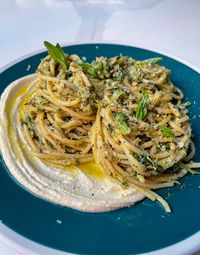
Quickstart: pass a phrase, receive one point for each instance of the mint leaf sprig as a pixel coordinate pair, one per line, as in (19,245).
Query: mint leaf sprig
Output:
(166,131)
(152,60)
(121,119)
(141,110)
(57,53)
(88,68)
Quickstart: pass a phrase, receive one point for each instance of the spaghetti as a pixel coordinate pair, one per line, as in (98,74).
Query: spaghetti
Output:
(59,115)
(124,114)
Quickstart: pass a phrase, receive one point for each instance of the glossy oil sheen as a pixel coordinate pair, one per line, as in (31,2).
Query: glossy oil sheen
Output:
(138,229)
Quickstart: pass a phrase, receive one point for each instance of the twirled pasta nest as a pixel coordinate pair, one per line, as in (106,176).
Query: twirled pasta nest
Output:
(123,113)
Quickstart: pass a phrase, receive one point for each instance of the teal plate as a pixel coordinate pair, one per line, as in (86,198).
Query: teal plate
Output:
(141,228)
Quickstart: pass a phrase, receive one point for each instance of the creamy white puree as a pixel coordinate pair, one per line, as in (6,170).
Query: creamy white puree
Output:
(71,188)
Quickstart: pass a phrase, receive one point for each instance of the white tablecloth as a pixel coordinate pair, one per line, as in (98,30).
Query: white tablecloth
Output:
(166,25)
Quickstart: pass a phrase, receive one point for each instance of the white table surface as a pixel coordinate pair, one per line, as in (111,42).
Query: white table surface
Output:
(166,25)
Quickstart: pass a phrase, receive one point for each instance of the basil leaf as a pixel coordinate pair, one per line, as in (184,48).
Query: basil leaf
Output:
(117,93)
(146,160)
(121,118)
(88,68)
(141,111)
(119,75)
(152,60)
(57,53)
(166,131)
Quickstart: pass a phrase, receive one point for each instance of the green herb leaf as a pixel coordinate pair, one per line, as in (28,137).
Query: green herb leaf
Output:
(39,109)
(183,186)
(152,60)
(29,123)
(42,100)
(130,171)
(88,68)
(119,75)
(169,195)
(124,182)
(141,111)
(146,160)
(121,119)
(57,53)
(166,131)
(117,93)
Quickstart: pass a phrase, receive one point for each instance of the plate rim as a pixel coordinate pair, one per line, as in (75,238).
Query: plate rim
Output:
(187,246)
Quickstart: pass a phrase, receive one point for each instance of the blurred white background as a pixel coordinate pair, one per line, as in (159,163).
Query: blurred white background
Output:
(167,25)
(172,26)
